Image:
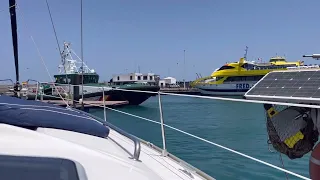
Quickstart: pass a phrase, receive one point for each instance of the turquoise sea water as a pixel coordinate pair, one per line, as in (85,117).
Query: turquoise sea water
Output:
(239,126)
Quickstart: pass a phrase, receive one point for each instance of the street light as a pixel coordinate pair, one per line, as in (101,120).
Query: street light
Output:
(184,69)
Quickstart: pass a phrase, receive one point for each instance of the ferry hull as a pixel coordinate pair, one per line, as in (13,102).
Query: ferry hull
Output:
(232,89)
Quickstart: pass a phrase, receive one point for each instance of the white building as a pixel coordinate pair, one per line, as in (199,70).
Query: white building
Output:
(135,77)
(168,82)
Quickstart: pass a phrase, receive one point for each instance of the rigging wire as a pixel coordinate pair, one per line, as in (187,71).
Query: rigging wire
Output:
(41,58)
(54,30)
(55,34)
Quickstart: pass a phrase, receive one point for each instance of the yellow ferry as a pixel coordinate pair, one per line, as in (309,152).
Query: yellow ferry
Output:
(238,77)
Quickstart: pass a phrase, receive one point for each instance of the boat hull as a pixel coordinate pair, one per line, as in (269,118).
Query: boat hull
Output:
(230,89)
(134,98)
(95,94)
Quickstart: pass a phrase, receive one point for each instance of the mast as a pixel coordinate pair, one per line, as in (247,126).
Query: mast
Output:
(12,10)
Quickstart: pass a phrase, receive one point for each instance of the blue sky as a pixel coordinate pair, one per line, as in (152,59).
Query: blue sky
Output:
(120,35)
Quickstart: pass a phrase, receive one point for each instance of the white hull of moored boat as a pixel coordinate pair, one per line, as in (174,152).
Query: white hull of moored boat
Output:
(227,89)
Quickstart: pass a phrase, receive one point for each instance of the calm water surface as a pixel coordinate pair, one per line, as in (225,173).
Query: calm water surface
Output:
(239,126)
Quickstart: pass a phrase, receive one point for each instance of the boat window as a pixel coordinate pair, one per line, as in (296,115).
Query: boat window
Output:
(225,67)
(39,168)
(275,60)
(130,77)
(139,77)
(151,78)
(248,66)
(62,80)
(145,77)
(243,78)
(218,78)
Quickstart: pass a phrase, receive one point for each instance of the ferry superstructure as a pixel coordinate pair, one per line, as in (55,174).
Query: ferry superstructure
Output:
(238,77)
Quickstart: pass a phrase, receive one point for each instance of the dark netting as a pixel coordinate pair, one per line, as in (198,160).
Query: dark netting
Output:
(290,130)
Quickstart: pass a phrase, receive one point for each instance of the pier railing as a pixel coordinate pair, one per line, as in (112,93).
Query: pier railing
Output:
(163,125)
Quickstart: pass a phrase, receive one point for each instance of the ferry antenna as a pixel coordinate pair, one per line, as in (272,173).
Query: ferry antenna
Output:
(246,52)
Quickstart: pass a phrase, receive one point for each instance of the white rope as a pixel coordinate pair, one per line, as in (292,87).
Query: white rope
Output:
(209,142)
(43,62)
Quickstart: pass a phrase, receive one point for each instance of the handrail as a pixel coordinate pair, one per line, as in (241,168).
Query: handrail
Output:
(136,141)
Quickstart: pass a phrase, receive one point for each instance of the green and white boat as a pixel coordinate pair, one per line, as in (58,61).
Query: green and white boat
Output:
(70,72)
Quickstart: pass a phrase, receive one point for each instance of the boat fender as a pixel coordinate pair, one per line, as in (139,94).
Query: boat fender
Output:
(314,163)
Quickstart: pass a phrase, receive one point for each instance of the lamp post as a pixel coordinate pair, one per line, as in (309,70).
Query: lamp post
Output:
(184,69)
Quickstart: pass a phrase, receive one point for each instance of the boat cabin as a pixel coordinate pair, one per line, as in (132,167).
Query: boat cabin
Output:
(88,78)
(277,59)
(148,78)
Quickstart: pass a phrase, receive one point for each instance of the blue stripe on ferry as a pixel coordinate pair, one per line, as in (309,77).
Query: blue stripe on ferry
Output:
(225,90)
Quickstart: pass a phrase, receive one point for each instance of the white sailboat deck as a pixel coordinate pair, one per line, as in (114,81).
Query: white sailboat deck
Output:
(101,158)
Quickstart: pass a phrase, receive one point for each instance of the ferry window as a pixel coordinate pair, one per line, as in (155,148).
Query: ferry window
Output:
(145,77)
(151,78)
(249,78)
(229,79)
(248,66)
(118,78)
(139,77)
(225,67)
(218,78)
(130,77)
(236,78)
